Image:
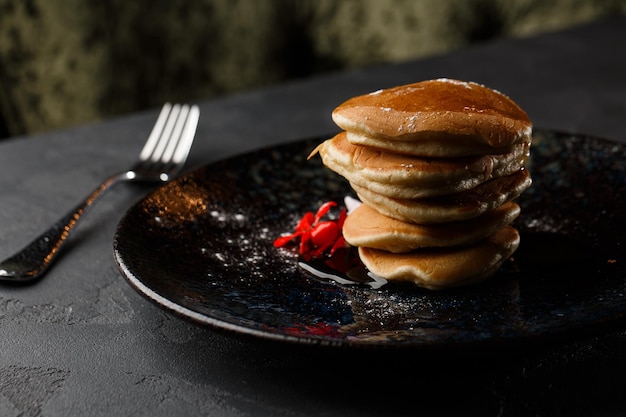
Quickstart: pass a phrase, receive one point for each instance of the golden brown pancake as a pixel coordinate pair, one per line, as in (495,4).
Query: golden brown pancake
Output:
(447,118)
(441,268)
(432,145)
(447,208)
(367,227)
(405,176)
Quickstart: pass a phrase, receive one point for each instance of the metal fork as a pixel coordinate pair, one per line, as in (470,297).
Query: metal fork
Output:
(161,158)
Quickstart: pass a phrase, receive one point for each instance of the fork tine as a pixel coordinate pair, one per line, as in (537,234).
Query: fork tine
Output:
(175,136)
(166,134)
(186,139)
(153,139)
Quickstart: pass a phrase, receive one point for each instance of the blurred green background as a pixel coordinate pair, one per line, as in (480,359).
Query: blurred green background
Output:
(69,62)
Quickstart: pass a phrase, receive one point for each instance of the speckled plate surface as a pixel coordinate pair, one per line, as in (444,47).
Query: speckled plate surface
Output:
(201,247)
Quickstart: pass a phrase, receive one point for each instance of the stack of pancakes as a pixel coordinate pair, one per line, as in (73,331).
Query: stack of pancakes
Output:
(437,165)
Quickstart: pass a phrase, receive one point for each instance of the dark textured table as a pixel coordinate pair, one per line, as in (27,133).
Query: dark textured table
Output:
(82,342)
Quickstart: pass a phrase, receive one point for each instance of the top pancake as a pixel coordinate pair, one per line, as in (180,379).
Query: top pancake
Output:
(435,118)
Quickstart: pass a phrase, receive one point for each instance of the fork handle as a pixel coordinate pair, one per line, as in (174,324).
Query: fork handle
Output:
(34,259)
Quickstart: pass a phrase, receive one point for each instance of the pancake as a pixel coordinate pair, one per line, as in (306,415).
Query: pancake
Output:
(443,117)
(433,145)
(441,268)
(452,207)
(437,166)
(367,227)
(403,176)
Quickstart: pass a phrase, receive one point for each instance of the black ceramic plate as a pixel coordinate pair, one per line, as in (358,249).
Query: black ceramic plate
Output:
(201,247)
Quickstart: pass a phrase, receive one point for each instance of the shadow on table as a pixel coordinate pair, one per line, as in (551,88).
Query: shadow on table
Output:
(579,378)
